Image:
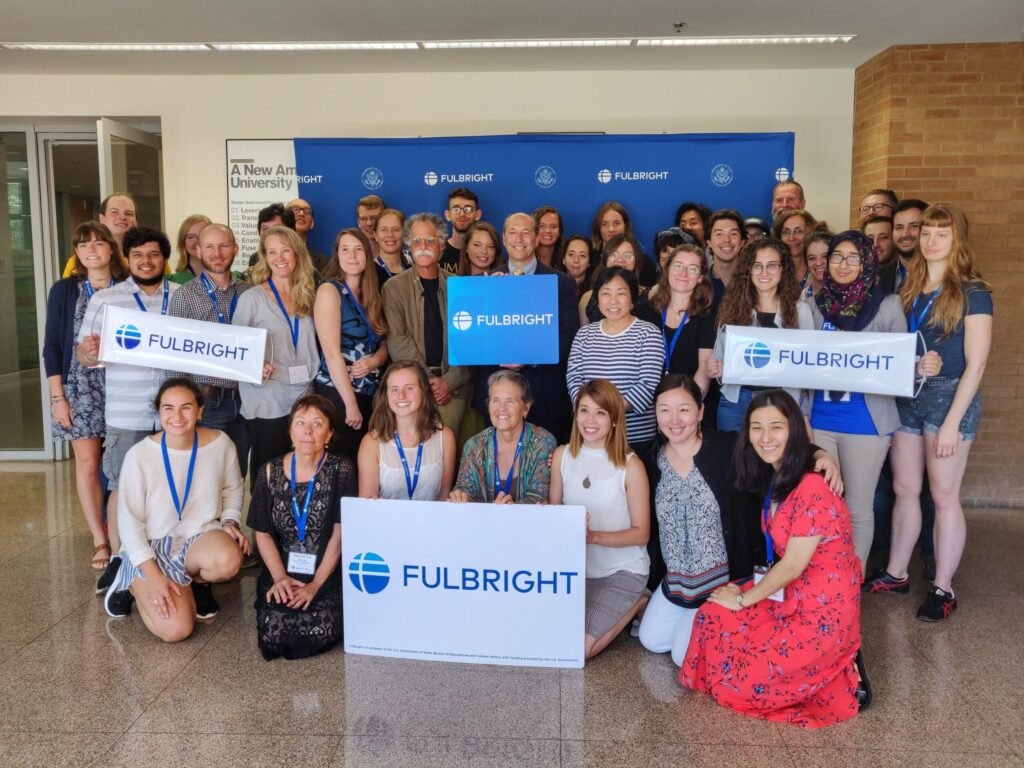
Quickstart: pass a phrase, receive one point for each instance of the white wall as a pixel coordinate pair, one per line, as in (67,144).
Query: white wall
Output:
(198,113)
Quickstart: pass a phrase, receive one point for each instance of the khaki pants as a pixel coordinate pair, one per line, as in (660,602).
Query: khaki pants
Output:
(451,414)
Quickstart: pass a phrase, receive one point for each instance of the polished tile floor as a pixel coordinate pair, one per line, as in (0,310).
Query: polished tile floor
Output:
(81,690)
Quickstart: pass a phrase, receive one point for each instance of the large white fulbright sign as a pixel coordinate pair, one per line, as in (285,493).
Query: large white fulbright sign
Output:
(176,344)
(874,363)
(480,583)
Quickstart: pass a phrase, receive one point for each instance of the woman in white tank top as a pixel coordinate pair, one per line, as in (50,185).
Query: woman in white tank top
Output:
(407,452)
(595,471)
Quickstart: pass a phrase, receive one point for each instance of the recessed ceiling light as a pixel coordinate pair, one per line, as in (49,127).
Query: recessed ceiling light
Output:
(341,46)
(162,47)
(747,40)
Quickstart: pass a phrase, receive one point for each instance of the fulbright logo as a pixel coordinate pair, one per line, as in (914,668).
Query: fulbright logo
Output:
(369,573)
(462,320)
(128,336)
(757,355)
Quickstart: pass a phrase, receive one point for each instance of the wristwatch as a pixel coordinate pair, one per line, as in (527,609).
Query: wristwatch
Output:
(739,599)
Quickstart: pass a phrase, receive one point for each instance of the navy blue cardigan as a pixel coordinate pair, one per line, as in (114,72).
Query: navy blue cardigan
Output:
(59,337)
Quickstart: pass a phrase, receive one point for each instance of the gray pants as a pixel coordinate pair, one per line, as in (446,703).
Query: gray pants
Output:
(860,459)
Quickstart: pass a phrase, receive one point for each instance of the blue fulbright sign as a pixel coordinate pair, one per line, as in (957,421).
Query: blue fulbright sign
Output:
(503,319)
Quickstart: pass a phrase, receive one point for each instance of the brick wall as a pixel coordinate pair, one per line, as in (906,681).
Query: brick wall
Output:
(945,123)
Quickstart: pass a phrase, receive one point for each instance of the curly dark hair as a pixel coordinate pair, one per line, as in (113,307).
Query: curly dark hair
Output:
(740,298)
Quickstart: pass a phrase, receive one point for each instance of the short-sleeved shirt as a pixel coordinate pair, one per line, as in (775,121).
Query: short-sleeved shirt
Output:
(698,333)
(977,301)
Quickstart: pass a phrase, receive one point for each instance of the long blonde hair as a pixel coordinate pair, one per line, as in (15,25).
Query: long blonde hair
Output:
(948,310)
(607,397)
(302,284)
(186,225)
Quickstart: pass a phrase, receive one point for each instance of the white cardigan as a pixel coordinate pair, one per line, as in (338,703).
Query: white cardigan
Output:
(145,511)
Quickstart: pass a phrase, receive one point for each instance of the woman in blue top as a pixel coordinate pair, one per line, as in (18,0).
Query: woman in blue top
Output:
(76,393)
(349,318)
(856,429)
(947,301)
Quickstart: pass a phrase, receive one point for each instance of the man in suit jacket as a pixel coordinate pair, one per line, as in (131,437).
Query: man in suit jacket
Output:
(550,408)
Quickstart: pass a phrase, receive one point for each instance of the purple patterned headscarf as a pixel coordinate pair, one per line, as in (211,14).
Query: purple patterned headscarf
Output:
(851,307)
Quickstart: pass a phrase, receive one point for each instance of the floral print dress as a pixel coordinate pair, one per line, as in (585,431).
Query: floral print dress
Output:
(790,661)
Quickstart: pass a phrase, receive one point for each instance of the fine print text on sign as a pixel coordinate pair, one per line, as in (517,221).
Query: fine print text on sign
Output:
(506,588)
(875,363)
(503,319)
(149,340)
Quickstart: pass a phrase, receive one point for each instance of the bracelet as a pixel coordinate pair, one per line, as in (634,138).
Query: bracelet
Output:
(57,399)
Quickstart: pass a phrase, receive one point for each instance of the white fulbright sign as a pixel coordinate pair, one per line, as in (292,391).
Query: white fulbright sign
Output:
(150,340)
(478,583)
(874,363)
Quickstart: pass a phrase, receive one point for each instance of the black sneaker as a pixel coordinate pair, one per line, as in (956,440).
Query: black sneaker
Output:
(108,576)
(937,606)
(118,604)
(863,685)
(206,606)
(883,581)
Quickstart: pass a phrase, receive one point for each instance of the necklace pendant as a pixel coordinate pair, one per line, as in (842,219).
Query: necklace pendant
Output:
(586,481)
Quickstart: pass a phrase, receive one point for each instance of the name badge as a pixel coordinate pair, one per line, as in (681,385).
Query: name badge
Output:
(302,563)
(759,573)
(298,374)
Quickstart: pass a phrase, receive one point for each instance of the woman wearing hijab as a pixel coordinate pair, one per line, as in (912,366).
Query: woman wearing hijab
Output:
(856,428)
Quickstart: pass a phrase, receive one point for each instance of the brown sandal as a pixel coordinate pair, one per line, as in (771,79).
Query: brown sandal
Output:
(99,563)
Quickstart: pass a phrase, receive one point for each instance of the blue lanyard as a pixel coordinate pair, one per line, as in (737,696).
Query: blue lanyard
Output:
(179,506)
(89,290)
(901,274)
(293,327)
(382,265)
(766,518)
(411,481)
(505,487)
(362,314)
(163,306)
(302,517)
(208,285)
(670,348)
(915,321)
(807,285)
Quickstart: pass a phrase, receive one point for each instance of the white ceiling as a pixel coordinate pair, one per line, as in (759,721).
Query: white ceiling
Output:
(877,23)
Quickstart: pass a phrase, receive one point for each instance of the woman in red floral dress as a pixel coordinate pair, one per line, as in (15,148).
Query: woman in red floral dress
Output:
(794,660)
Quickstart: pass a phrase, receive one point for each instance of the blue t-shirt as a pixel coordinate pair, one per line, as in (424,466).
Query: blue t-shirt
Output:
(850,416)
(977,301)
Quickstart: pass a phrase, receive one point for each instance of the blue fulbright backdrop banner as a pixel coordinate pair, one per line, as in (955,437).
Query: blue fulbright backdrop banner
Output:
(650,174)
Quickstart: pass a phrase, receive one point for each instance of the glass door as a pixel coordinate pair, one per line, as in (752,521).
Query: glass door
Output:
(23,416)
(130,162)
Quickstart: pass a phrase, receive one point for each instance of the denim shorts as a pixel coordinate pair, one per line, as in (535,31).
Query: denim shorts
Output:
(927,411)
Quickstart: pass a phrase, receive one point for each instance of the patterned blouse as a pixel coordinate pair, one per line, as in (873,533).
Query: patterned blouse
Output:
(529,486)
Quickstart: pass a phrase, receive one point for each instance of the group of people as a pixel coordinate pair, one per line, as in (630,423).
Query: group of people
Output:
(716,521)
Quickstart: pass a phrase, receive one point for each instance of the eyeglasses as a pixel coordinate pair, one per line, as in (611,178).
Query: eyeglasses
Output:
(191,238)
(300,210)
(462,209)
(876,208)
(772,267)
(690,269)
(416,242)
(853,259)
(623,256)
(797,231)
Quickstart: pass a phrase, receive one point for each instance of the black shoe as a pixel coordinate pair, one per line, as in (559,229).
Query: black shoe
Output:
(105,580)
(206,606)
(937,606)
(883,581)
(928,567)
(864,685)
(118,604)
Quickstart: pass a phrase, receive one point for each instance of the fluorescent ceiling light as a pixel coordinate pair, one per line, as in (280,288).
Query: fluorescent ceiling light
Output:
(347,46)
(163,47)
(477,44)
(747,40)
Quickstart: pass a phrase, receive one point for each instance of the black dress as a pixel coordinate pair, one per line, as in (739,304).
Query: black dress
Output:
(284,631)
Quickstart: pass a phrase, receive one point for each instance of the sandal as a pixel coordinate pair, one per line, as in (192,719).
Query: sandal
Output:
(98,562)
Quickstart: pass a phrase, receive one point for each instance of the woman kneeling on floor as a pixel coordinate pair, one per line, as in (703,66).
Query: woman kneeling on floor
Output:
(178,513)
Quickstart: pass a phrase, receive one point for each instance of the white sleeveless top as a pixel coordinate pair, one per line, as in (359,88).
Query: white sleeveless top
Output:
(392,474)
(605,501)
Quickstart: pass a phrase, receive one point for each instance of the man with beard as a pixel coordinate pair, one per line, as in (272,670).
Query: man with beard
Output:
(416,308)
(304,223)
(879,231)
(906,229)
(877,202)
(212,297)
(787,195)
(463,209)
(130,389)
(727,235)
